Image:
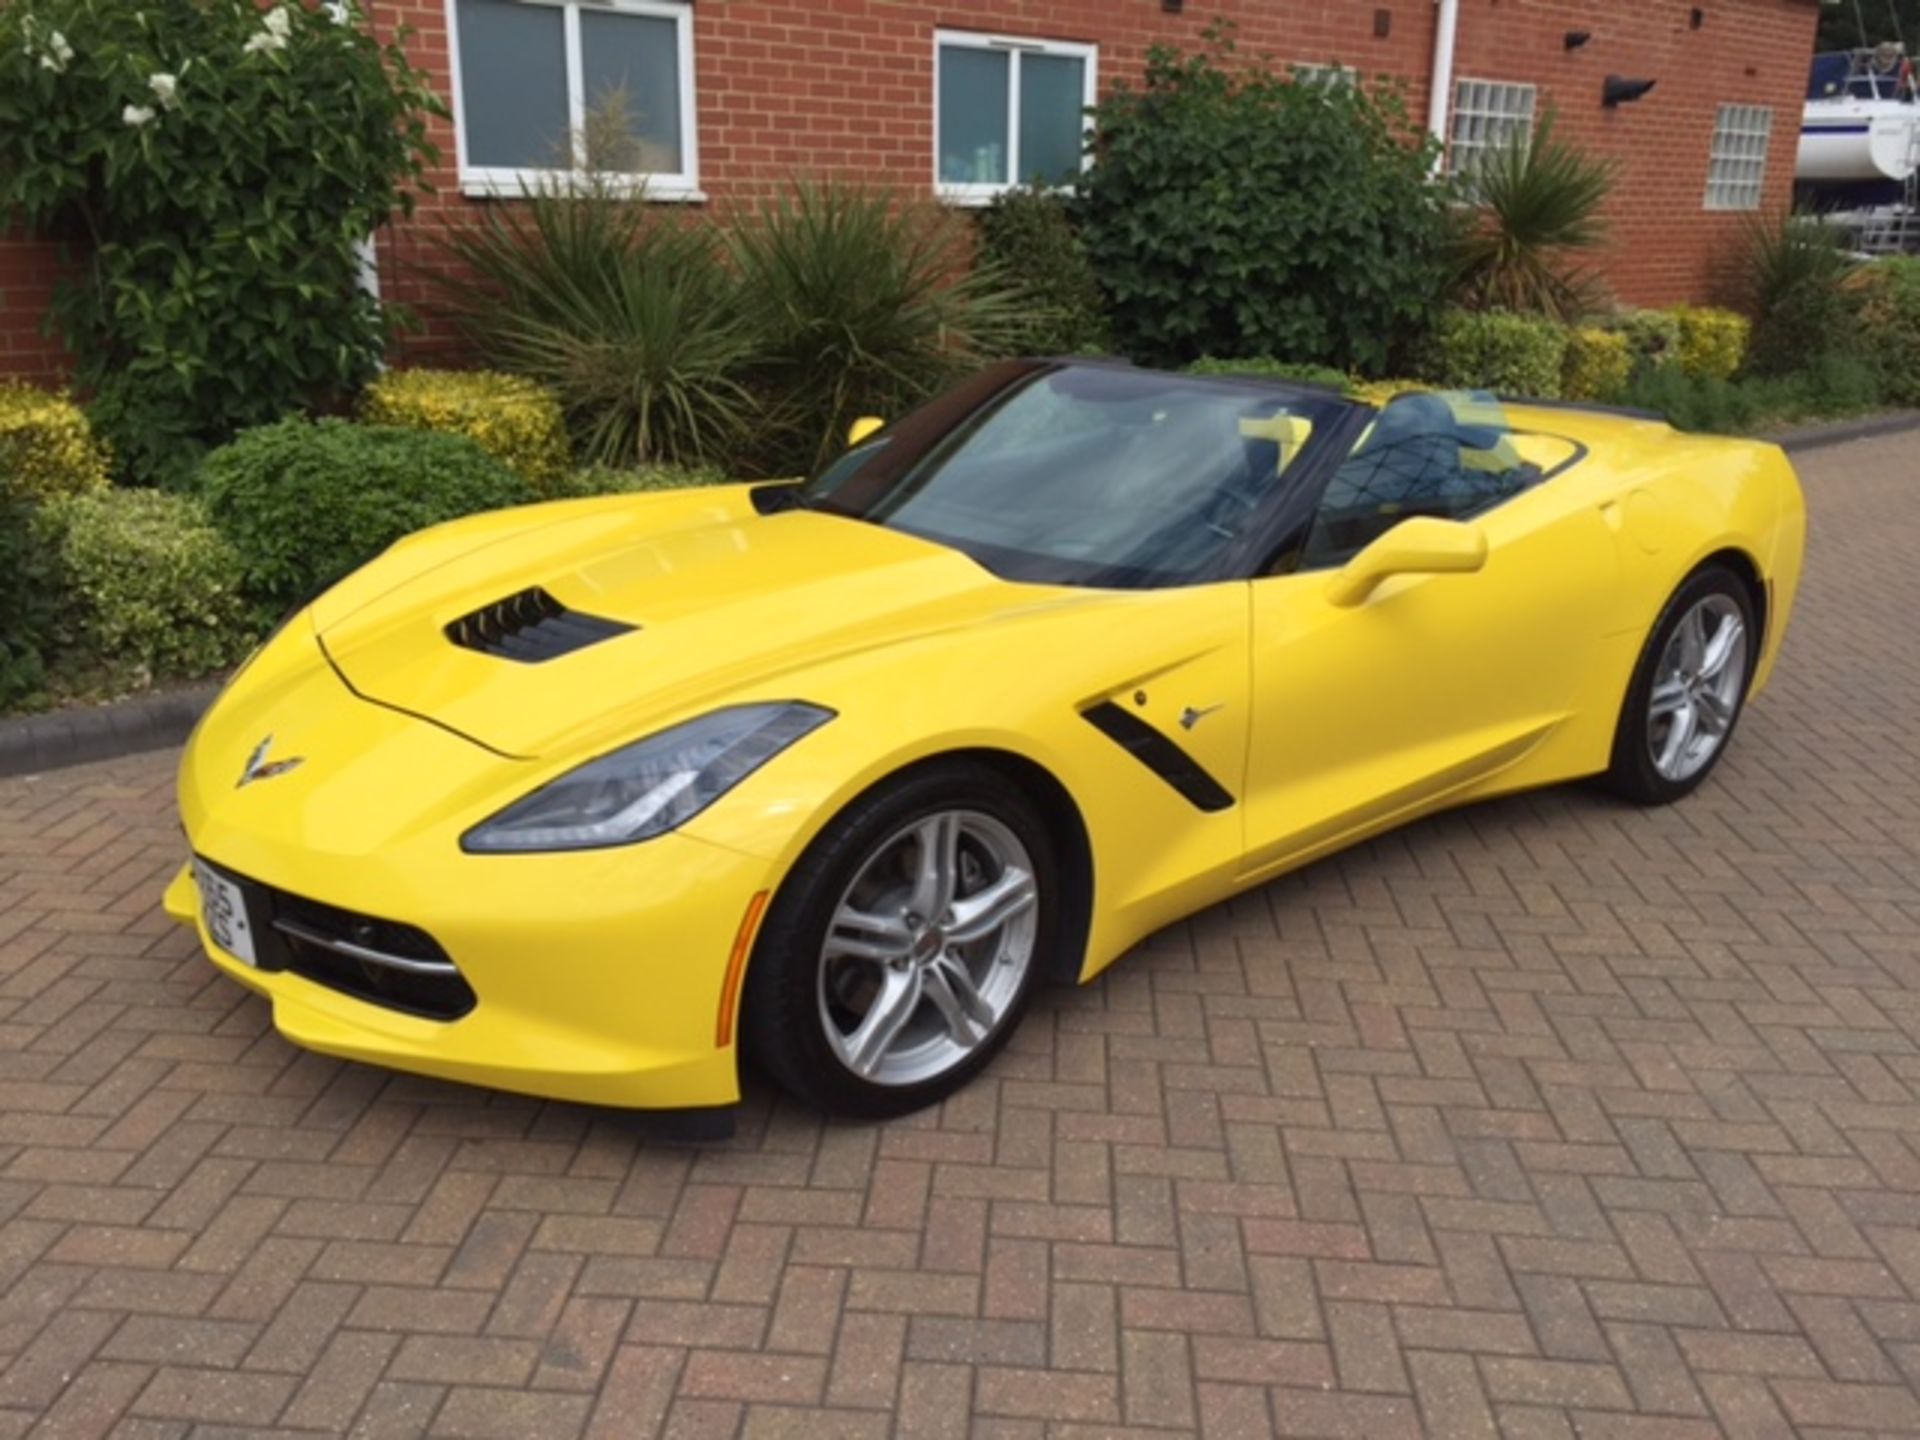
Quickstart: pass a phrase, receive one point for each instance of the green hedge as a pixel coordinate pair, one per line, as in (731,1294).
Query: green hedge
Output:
(1889,297)
(305,504)
(1028,235)
(23,610)
(1521,355)
(1270,369)
(147,588)
(615,480)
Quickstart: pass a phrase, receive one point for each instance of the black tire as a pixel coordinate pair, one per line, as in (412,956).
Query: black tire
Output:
(1633,774)
(782,1028)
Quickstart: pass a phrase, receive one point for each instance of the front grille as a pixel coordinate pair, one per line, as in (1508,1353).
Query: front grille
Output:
(382,962)
(531,626)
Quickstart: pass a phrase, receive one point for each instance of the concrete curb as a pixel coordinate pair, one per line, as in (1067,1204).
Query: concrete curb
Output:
(1818,437)
(34,743)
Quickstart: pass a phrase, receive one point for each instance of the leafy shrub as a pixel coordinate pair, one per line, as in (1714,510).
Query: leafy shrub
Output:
(23,609)
(1029,235)
(633,322)
(147,587)
(223,164)
(1712,342)
(1829,386)
(608,480)
(1653,336)
(1598,365)
(1538,213)
(1793,280)
(1889,299)
(861,303)
(46,446)
(1232,212)
(1274,370)
(1494,350)
(514,420)
(305,503)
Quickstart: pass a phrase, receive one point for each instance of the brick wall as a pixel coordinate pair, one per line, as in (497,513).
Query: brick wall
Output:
(845,87)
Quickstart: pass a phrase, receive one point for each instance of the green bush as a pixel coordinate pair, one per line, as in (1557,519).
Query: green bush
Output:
(861,303)
(1792,279)
(1598,365)
(1712,342)
(147,588)
(631,320)
(1537,215)
(1653,336)
(47,448)
(1888,292)
(23,607)
(306,503)
(610,480)
(224,163)
(1030,236)
(1273,370)
(1231,212)
(514,420)
(1520,355)
(1832,385)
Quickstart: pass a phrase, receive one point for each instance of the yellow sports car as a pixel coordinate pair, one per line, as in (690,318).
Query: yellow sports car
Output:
(591,799)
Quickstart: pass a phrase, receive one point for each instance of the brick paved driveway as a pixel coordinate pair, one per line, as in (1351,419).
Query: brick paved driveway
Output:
(1549,1119)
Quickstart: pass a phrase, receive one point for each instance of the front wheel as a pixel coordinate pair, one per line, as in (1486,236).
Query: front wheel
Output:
(901,951)
(1688,690)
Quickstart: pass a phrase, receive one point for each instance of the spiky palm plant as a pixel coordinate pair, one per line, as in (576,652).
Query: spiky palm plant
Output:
(1537,215)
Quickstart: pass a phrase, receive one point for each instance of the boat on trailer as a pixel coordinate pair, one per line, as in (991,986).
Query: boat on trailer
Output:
(1860,131)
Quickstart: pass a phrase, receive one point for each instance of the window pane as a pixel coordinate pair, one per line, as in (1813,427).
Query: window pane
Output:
(635,59)
(513,84)
(1052,95)
(973,116)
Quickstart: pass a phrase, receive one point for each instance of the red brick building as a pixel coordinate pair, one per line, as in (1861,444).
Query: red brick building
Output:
(731,97)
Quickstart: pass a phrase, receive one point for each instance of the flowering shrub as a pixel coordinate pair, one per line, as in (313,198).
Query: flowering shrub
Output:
(514,420)
(46,446)
(220,165)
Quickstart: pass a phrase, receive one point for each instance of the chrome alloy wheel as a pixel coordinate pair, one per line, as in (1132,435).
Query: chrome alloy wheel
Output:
(1697,688)
(928,948)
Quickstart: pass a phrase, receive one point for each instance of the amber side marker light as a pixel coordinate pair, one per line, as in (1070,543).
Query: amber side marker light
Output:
(736,967)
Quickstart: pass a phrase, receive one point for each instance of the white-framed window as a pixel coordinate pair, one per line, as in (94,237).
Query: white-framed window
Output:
(1008,111)
(527,74)
(1737,162)
(1334,77)
(1488,116)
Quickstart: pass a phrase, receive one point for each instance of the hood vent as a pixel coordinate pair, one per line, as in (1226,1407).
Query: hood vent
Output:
(531,627)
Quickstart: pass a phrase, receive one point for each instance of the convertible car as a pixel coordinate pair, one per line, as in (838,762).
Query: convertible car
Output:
(594,799)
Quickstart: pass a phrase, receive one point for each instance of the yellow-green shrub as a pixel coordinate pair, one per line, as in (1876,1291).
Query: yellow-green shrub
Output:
(1498,350)
(1379,392)
(633,480)
(47,448)
(1599,363)
(514,420)
(1653,336)
(147,588)
(1712,343)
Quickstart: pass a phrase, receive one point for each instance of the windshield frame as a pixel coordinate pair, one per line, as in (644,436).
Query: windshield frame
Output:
(923,437)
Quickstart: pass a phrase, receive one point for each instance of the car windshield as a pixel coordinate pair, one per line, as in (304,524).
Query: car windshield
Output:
(1081,474)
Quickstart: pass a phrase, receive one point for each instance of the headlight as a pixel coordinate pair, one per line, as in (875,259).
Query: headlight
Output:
(649,787)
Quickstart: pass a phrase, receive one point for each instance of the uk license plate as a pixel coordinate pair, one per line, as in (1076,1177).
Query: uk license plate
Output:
(224,909)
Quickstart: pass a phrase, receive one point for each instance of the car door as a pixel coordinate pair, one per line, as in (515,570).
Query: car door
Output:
(1362,712)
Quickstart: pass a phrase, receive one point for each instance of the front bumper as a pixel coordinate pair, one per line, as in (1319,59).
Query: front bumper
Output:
(597,976)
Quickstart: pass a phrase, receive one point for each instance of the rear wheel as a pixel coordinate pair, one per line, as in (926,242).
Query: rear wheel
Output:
(1687,691)
(902,949)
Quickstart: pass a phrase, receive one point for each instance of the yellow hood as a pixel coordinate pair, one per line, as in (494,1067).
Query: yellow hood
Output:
(720,598)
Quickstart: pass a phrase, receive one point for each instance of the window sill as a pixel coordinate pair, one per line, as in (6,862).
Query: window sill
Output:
(480,187)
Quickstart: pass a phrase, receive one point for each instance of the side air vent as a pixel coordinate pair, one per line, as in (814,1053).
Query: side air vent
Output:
(531,627)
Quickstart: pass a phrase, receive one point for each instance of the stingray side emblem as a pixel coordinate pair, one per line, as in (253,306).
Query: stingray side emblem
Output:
(259,767)
(1191,717)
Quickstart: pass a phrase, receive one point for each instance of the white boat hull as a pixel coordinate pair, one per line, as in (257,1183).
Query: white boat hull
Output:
(1854,140)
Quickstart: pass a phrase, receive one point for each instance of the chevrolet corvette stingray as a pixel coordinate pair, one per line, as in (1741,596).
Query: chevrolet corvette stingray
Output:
(591,799)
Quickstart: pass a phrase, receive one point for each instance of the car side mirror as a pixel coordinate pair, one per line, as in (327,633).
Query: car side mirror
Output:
(863,427)
(1422,545)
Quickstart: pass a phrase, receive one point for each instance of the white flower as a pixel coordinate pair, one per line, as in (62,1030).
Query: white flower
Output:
(263,40)
(137,115)
(164,87)
(61,50)
(47,62)
(279,22)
